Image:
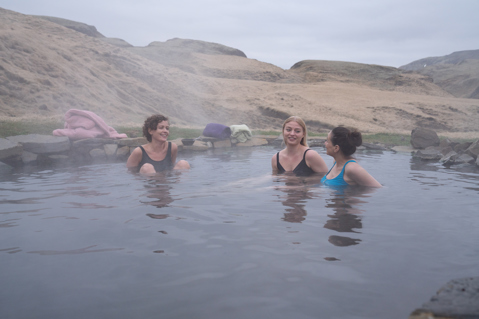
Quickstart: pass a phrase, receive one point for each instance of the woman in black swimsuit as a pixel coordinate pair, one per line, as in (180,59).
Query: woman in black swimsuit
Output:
(297,157)
(159,154)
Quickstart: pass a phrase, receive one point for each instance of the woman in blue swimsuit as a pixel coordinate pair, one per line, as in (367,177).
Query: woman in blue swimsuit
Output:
(297,157)
(341,144)
(159,154)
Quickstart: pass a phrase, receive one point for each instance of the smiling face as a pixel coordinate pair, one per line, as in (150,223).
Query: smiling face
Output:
(162,131)
(293,133)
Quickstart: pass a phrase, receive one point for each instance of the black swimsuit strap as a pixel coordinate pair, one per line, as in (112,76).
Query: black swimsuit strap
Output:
(304,155)
(168,152)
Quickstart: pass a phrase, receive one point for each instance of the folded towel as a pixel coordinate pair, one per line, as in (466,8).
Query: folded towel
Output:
(241,133)
(81,124)
(218,131)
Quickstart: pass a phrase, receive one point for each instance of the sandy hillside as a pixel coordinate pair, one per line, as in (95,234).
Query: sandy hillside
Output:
(47,68)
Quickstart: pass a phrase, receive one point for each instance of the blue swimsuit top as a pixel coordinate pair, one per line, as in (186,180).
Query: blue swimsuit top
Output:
(338,180)
(301,170)
(158,165)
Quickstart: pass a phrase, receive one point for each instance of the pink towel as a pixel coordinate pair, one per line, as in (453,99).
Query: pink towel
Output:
(81,124)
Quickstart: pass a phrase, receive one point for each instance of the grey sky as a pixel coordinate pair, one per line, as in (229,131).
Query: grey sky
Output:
(384,32)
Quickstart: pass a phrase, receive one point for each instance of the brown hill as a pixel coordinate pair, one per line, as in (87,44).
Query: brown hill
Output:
(457,73)
(48,66)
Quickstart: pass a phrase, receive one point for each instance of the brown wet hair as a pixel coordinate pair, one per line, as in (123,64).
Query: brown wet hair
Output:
(151,123)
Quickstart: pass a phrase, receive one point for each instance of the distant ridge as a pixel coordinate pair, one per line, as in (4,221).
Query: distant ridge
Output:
(77,26)
(457,73)
(453,58)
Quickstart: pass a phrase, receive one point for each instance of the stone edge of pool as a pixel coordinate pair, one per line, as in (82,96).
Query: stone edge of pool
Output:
(36,149)
(456,299)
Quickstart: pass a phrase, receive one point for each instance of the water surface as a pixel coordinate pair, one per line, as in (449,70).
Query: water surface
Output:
(229,240)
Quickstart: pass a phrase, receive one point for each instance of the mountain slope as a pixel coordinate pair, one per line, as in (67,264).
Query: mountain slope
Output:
(457,73)
(48,66)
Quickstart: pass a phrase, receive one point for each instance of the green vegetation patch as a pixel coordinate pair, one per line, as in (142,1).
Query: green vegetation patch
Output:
(388,139)
(12,128)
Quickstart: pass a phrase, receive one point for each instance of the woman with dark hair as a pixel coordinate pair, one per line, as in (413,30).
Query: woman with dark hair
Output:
(297,157)
(341,145)
(159,154)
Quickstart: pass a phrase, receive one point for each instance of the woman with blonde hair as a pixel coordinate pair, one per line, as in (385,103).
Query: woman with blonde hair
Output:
(297,157)
(341,145)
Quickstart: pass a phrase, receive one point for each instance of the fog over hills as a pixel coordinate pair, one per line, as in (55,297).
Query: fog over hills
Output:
(50,65)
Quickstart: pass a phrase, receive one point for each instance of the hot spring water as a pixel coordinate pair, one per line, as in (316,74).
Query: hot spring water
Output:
(229,240)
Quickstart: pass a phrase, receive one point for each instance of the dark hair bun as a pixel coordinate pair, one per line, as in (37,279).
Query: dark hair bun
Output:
(356,138)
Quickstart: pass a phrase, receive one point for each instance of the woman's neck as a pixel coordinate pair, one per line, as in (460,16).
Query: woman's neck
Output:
(293,149)
(158,145)
(340,159)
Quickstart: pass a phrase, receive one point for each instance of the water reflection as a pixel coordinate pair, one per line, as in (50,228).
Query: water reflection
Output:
(297,190)
(346,203)
(463,175)
(158,187)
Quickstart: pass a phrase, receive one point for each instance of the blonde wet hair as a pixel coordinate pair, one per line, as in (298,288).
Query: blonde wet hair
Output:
(297,119)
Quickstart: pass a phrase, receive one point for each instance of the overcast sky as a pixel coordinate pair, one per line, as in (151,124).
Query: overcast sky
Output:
(384,32)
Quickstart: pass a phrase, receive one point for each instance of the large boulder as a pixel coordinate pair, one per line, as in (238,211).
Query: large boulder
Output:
(449,158)
(423,137)
(457,299)
(473,149)
(430,154)
(42,144)
(9,149)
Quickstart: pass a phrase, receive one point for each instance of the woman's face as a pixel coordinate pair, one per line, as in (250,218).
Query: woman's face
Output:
(162,131)
(293,133)
(329,145)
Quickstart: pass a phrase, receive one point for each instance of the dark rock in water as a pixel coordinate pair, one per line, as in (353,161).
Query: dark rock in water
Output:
(98,154)
(429,154)
(465,158)
(446,149)
(371,146)
(9,149)
(422,138)
(473,149)
(449,158)
(29,157)
(445,142)
(459,298)
(461,147)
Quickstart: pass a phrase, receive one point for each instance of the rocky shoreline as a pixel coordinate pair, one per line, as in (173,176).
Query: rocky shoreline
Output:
(43,150)
(35,150)
(447,152)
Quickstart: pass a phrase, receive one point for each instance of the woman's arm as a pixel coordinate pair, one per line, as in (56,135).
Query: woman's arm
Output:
(316,162)
(174,153)
(134,158)
(360,176)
